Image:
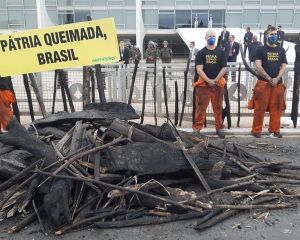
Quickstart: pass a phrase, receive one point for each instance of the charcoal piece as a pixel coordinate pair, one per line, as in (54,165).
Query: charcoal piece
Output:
(163,132)
(153,158)
(93,112)
(13,162)
(46,131)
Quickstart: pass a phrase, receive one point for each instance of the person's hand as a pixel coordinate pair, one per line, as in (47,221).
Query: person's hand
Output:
(211,82)
(273,81)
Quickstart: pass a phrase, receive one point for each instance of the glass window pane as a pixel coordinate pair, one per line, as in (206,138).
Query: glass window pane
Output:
(2,3)
(286,2)
(102,3)
(297,20)
(184,3)
(81,2)
(31,20)
(297,2)
(183,18)
(81,15)
(115,3)
(52,13)
(130,20)
(30,4)
(3,20)
(150,16)
(149,3)
(15,16)
(200,2)
(233,20)
(285,16)
(64,2)
(65,17)
(218,2)
(269,2)
(166,21)
(267,18)
(118,15)
(50,2)
(166,2)
(218,17)
(99,14)
(129,2)
(250,16)
(14,2)
(234,2)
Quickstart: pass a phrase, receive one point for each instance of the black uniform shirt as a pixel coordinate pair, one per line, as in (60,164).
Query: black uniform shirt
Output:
(4,83)
(212,60)
(272,58)
(297,60)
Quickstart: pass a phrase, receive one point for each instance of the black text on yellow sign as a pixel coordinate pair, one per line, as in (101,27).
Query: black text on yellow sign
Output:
(71,45)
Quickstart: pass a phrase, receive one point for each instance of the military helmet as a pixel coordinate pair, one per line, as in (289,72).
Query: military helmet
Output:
(151,43)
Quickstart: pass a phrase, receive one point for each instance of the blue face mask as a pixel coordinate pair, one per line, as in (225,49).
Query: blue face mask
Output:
(272,39)
(211,41)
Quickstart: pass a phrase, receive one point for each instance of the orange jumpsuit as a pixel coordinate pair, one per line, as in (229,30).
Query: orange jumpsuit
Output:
(267,98)
(203,95)
(6,99)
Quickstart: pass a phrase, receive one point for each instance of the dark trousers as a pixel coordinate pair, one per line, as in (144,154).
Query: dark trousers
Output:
(245,49)
(233,74)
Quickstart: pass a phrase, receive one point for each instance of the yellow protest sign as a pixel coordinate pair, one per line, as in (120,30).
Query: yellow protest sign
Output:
(70,45)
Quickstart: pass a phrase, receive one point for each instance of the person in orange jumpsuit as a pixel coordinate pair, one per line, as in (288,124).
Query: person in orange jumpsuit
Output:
(268,93)
(209,83)
(6,99)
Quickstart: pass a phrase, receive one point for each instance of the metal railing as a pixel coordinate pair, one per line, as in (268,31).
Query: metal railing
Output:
(118,81)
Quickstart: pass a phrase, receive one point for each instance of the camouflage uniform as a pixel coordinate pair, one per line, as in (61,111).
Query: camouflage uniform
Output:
(152,53)
(135,55)
(165,54)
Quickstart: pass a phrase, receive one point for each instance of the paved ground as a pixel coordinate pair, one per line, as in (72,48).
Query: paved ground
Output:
(280,224)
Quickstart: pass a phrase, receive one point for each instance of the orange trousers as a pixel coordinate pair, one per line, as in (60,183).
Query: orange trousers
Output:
(267,99)
(6,99)
(203,95)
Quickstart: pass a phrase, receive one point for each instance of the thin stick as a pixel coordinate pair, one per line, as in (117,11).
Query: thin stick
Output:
(255,206)
(154,92)
(144,97)
(93,150)
(84,179)
(248,193)
(27,220)
(39,218)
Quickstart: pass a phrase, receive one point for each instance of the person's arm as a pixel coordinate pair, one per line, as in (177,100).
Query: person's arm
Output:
(202,74)
(261,71)
(251,37)
(237,49)
(221,74)
(274,81)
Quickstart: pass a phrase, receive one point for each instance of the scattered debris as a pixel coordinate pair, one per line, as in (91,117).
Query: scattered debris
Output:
(76,170)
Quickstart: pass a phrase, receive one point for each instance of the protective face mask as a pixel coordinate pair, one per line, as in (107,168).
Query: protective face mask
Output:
(211,41)
(272,39)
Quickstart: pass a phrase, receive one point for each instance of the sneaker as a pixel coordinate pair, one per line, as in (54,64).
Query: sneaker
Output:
(256,135)
(275,135)
(221,133)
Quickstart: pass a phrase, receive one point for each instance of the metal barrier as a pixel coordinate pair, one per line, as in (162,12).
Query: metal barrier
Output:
(118,81)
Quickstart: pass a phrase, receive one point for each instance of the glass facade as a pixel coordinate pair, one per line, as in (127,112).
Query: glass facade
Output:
(157,14)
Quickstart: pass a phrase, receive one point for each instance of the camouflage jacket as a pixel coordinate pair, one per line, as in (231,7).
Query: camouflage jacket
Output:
(151,55)
(165,53)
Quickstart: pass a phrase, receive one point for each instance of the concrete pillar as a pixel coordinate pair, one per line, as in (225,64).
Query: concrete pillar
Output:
(42,14)
(140,29)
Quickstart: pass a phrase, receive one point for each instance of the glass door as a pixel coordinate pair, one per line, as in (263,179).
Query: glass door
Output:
(199,19)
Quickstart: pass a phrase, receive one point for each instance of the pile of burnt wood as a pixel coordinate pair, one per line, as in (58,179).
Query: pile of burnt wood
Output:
(97,169)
